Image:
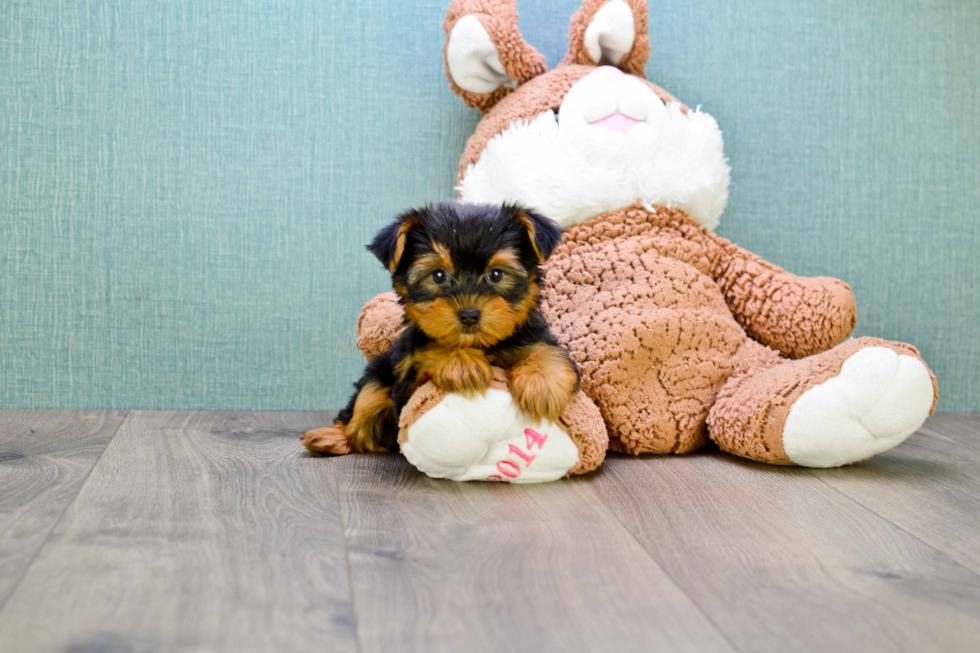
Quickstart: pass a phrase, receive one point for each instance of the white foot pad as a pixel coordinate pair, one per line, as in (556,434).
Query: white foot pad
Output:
(879,398)
(488,439)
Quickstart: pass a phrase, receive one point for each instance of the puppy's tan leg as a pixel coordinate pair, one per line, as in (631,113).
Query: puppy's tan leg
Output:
(373,409)
(543,381)
(466,371)
(463,370)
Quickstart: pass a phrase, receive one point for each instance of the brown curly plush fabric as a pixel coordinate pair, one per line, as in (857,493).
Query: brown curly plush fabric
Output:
(660,314)
(583,423)
(629,293)
(580,419)
(799,316)
(499,18)
(634,61)
(379,324)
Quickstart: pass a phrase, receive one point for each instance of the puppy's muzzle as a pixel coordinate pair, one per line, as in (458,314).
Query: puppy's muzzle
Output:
(469,316)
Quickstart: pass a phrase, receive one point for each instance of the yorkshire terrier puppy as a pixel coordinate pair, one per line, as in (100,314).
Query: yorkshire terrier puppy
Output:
(469,278)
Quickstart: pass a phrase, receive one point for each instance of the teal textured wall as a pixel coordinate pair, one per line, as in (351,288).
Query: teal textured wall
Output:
(186,186)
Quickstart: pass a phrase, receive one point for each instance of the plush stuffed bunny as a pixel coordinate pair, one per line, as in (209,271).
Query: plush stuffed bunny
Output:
(681,336)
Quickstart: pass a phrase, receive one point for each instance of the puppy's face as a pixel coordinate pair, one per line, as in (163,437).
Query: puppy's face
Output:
(468,275)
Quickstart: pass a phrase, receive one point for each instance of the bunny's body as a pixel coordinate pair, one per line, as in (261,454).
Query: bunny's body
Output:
(681,337)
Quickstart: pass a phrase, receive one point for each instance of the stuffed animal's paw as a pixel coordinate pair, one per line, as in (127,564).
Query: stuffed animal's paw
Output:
(487,438)
(879,399)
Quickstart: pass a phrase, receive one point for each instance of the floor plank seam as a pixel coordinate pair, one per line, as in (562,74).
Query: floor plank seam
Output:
(54,526)
(681,589)
(939,552)
(350,575)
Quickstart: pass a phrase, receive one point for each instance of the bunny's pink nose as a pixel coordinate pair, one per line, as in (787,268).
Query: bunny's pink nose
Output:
(616,122)
(606,72)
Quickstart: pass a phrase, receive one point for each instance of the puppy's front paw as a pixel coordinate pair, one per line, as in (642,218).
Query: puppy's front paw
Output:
(540,397)
(329,440)
(464,371)
(544,383)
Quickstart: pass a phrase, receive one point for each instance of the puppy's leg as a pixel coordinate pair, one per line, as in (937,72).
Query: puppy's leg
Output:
(327,440)
(368,424)
(543,381)
(462,370)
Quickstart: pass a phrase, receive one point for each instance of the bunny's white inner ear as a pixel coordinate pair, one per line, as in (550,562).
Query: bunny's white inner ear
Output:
(610,34)
(472,58)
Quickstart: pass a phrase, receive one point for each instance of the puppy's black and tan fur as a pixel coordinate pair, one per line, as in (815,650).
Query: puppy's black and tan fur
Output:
(469,278)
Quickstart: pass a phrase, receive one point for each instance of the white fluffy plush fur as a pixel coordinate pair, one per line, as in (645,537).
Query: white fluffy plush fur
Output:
(571,170)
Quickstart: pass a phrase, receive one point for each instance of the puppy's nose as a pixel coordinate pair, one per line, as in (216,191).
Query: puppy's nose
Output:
(468,316)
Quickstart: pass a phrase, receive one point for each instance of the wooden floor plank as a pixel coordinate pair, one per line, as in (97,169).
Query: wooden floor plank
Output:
(782,562)
(964,428)
(929,486)
(443,566)
(213,531)
(45,457)
(207,531)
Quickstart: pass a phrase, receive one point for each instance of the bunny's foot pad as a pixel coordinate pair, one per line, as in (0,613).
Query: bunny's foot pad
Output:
(487,438)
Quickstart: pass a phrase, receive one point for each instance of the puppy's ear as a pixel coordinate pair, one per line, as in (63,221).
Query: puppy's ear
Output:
(389,244)
(544,233)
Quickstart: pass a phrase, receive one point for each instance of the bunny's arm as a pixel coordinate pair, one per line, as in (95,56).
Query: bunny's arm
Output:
(382,320)
(798,316)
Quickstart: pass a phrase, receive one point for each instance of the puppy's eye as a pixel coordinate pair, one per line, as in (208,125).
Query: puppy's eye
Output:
(495,276)
(440,277)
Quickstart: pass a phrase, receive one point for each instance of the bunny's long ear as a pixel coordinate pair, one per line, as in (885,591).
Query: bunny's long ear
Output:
(486,56)
(610,33)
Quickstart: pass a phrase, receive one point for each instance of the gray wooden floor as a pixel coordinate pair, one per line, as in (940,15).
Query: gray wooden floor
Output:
(155,531)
